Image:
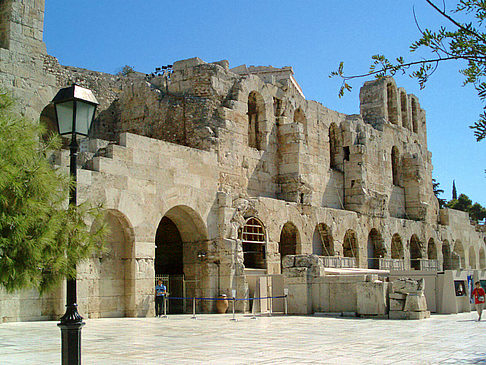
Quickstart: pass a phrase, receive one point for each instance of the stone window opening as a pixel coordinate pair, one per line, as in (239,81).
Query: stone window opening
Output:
(325,240)
(459,259)
(299,117)
(335,148)
(415,252)
(472,258)
(350,246)
(431,250)
(395,162)
(376,249)
(397,247)
(414,117)
(253,241)
(404,109)
(256,115)
(391,103)
(289,239)
(482,259)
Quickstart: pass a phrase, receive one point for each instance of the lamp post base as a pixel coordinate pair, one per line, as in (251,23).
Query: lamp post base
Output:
(71,325)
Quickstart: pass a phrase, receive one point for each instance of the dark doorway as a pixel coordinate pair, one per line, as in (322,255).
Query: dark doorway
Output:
(169,261)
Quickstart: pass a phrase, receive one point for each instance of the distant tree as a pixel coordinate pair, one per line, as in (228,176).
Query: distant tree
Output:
(126,70)
(437,191)
(41,239)
(477,212)
(454,191)
(459,41)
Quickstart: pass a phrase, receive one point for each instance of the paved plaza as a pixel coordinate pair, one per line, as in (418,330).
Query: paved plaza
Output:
(214,339)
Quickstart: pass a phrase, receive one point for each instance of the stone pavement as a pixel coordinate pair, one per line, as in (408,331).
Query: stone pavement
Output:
(214,339)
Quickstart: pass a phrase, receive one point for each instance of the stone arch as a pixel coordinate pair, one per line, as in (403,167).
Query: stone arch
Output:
(391,102)
(415,252)
(323,242)
(110,277)
(431,250)
(397,247)
(395,166)
(180,240)
(482,258)
(414,116)
(404,109)
(472,258)
(253,239)
(289,240)
(350,245)
(460,257)
(376,249)
(446,255)
(300,118)
(256,118)
(335,148)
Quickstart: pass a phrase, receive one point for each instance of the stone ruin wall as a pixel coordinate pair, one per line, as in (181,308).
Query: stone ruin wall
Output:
(287,179)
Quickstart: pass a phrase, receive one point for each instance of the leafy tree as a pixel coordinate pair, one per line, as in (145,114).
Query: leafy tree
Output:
(41,238)
(477,212)
(459,41)
(463,203)
(437,191)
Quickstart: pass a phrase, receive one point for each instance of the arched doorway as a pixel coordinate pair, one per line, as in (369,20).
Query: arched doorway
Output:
(431,250)
(482,259)
(180,251)
(446,256)
(376,249)
(289,238)
(459,260)
(253,240)
(415,252)
(350,245)
(110,276)
(397,247)
(322,241)
(472,258)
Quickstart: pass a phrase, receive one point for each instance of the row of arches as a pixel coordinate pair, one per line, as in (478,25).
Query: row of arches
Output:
(396,103)
(257,116)
(414,251)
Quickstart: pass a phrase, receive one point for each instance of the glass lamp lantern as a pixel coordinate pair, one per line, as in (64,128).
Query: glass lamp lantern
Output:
(75,108)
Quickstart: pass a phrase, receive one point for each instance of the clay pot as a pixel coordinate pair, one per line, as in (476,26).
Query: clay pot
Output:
(222,305)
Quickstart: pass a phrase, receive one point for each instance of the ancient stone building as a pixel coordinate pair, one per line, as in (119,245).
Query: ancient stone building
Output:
(212,175)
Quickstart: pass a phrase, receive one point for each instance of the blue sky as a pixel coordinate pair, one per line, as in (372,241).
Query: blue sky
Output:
(311,36)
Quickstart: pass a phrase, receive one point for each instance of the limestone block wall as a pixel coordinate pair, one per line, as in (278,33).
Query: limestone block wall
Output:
(311,291)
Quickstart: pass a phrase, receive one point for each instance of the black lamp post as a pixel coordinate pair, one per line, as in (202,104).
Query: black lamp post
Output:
(75,107)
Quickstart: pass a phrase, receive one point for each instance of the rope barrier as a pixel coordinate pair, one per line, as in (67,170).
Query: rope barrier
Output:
(227,298)
(233,300)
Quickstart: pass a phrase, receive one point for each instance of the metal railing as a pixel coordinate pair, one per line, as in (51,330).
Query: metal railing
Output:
(393,264)
(338,262)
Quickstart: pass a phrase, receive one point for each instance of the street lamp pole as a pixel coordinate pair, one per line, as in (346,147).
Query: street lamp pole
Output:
(75,107)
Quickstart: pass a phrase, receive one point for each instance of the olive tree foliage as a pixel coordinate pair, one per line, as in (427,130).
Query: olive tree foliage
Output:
(41,237)
(458,41)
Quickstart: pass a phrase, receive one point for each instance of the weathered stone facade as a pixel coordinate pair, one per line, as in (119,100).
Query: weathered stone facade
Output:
(216,174)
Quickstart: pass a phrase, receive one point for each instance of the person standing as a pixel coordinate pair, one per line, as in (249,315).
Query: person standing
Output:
(478,294)
(160,293)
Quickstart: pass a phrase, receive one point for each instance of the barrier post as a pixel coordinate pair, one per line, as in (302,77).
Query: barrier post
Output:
(234,303)
(193,308)
(253,305)
(165,307)
(286,293)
